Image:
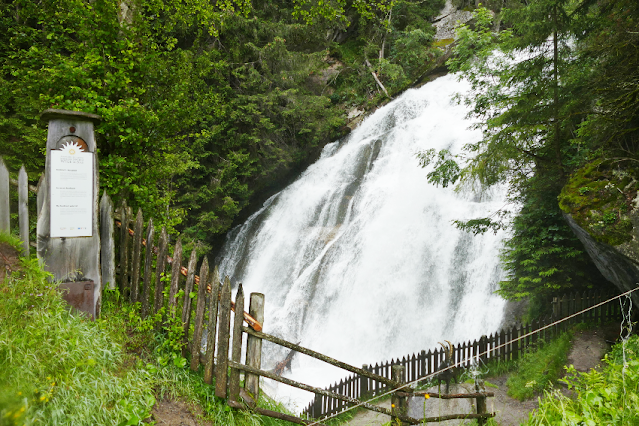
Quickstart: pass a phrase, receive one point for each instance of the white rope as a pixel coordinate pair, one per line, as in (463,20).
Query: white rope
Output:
(626,325)
(626,294)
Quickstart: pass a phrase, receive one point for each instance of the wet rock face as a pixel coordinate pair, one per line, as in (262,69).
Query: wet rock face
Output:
(447,20)
(616,267)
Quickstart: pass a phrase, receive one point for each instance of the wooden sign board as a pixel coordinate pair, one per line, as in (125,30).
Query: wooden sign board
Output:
(68,232)
(71,192)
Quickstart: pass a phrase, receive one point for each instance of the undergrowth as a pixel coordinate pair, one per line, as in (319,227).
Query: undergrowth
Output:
(607,397)
(59,368)
(537,370)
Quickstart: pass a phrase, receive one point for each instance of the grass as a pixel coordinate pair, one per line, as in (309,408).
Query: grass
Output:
(537,370)
(59,368)
(608,397)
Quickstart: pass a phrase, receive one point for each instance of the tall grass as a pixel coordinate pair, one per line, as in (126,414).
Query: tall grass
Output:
(57,367)
(609,397)
(536,370)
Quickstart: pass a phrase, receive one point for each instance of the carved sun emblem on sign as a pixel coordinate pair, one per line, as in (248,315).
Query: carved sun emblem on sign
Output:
(71,148)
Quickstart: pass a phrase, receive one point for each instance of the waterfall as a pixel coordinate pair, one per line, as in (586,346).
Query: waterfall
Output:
(358,259)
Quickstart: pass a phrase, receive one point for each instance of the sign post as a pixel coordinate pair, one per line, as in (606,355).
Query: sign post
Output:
(68,231)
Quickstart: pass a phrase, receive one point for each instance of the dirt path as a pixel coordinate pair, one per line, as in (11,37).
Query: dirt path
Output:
(588,348)
(176,413)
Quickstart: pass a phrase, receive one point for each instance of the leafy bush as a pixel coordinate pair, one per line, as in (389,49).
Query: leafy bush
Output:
(609,397)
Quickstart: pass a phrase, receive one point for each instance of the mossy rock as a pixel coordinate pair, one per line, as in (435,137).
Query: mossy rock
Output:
(601,197)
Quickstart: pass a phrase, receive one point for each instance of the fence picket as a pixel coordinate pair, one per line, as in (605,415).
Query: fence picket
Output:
(5,213)
(175,277)
(211,326)
(236,350)
(136,256)
(23,210)
(148,264)
(254,345)
(187,303)
(224,320)
(124,249)
(107,243)
(160,267)
(196,343)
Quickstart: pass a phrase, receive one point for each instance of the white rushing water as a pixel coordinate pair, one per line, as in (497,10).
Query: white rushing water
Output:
(358,259)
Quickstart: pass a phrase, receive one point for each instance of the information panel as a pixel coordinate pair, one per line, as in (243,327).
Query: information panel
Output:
(71,192)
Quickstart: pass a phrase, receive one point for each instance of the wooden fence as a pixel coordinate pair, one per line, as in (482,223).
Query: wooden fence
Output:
(499,346)
(163,284)
(23,188)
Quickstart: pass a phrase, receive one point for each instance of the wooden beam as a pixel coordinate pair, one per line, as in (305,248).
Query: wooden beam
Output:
(448,396)
(324,392)
(270,413)
(321,357)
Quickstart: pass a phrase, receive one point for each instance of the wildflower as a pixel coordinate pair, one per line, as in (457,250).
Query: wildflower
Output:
(392,405)
(426,396)
(42,398)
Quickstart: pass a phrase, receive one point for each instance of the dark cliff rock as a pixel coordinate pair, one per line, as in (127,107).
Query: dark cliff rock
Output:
(616,267)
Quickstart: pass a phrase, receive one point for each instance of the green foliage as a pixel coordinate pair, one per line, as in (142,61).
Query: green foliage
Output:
(196,98)
(537,370)
(446,170)
(543,256)
(601,397)
(396,38)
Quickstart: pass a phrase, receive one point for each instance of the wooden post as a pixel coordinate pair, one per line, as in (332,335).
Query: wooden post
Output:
(71,256)
(481,409)
(175,278)
(317,406)
(23,210)
(124,249)
(399,404)
(236,350)
(483,348)
(221,377)
(107,244)
(363,384)
(148,264)
(254,346)
(196,343)
(212,325)
(186,306)
(160,267)
(137,256)
(5,213)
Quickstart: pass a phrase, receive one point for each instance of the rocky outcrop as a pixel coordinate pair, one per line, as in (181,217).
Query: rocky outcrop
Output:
(448,19)
(617,268)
